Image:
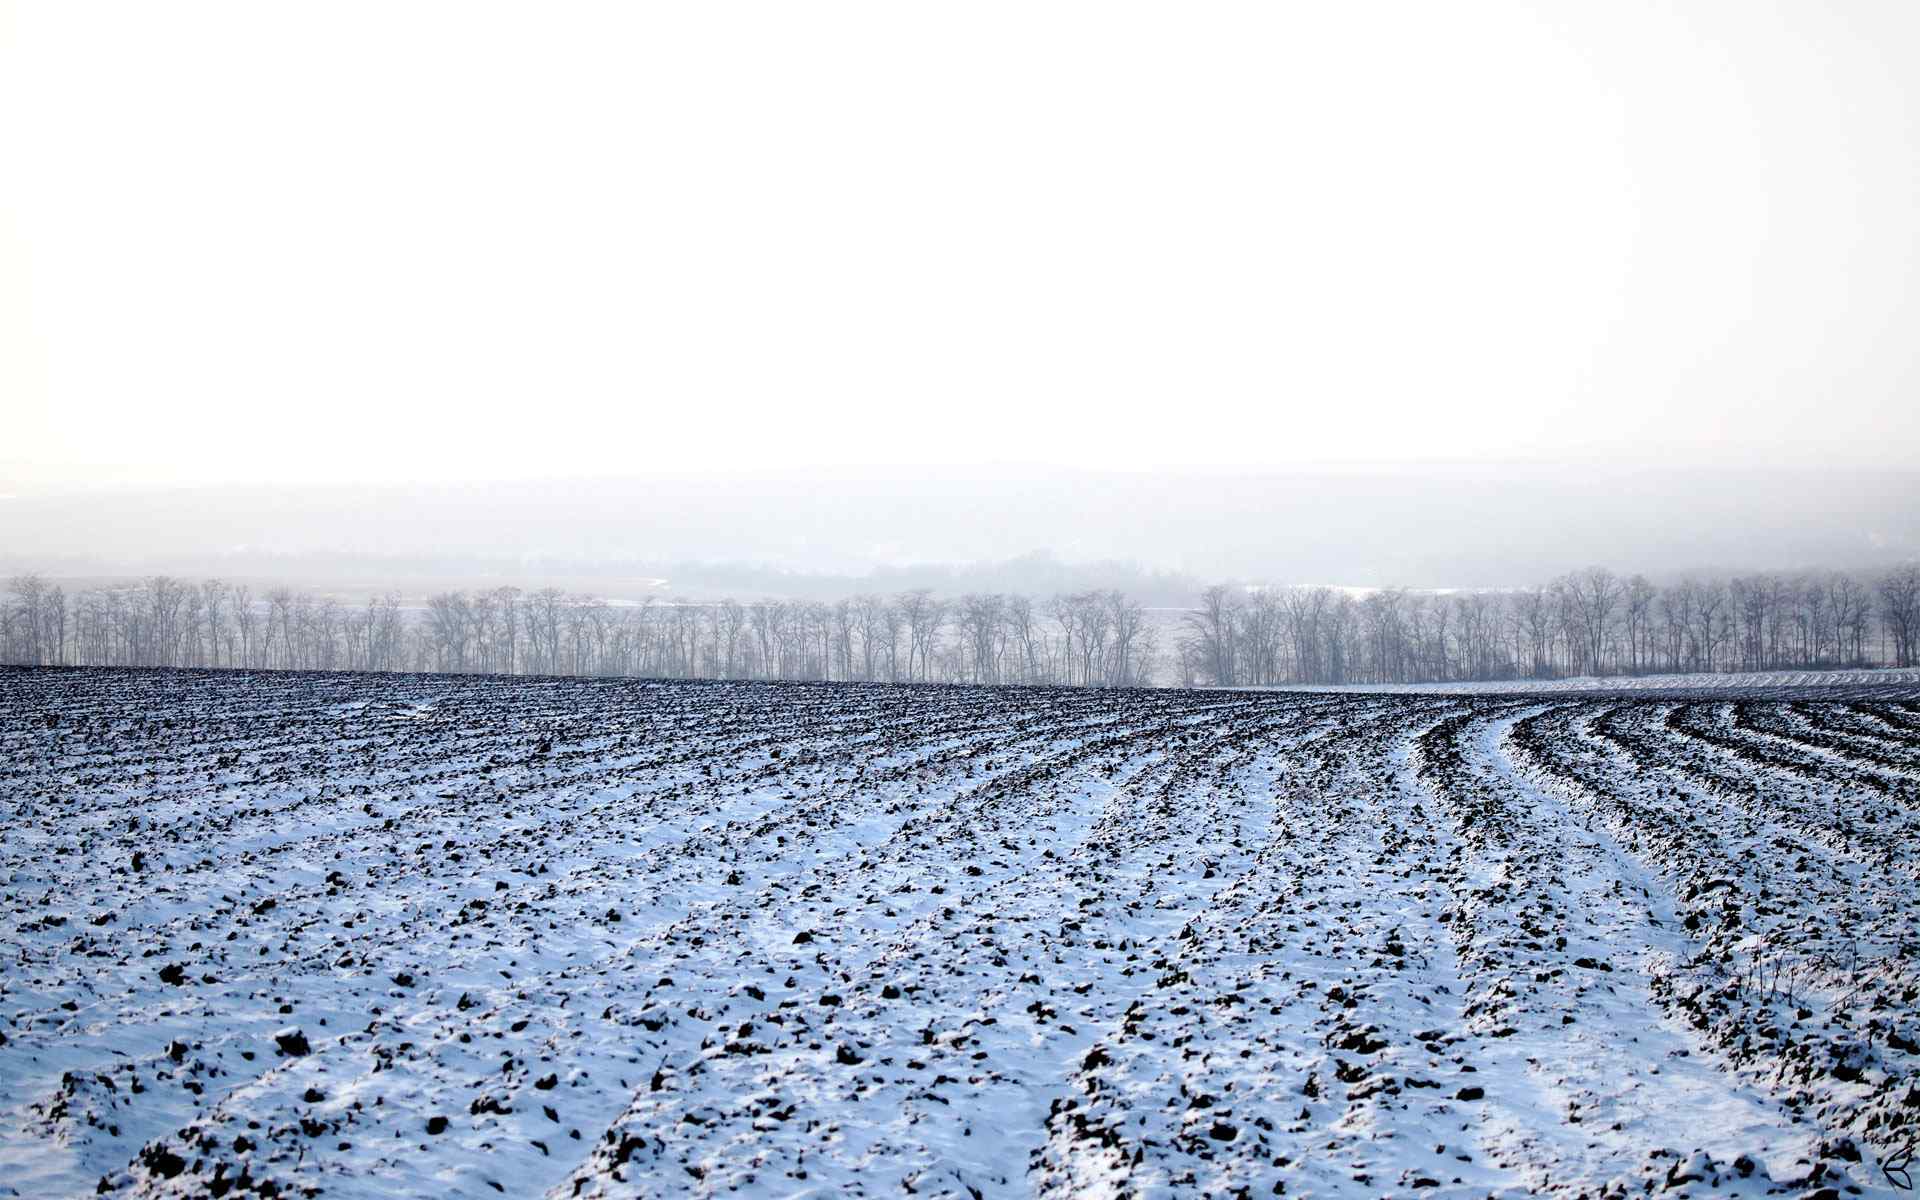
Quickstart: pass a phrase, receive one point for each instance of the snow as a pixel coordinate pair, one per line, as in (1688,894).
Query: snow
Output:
(1790,684)
(274,933)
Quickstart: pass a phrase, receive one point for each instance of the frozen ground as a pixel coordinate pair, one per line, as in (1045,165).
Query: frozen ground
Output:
(1870,682)
(363,936)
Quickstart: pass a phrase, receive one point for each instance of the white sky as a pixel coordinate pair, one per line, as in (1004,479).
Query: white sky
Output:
(420,240)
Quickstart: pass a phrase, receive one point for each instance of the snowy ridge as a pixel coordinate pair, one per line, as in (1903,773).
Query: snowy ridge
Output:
(351,936)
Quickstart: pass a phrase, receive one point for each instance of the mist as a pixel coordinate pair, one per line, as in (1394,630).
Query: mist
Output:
(763,301)
(1454,526)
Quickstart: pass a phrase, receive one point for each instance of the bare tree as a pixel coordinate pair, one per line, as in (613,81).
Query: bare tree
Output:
(1213,626)
(1595,592)
(28,618)
(1023,631)
(1900,612)
(1127,620)
(923,616)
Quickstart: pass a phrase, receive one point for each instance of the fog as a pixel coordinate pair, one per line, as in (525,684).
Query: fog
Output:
(1456,295)
(1461,526)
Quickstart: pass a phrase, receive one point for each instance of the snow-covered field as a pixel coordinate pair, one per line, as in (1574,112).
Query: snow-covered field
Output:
(1751,684)
(366,936)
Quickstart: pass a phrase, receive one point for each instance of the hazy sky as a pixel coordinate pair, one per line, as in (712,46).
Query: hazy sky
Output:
(419,240)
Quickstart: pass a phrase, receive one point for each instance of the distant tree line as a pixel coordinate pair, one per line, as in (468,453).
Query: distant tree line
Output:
(1099,638)
(1590,622)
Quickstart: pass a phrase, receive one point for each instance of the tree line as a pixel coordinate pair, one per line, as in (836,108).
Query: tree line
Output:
(1590,622)
(1099,638)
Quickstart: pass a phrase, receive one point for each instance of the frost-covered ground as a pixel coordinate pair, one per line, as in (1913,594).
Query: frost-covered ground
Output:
(365,936)
(1751,684)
